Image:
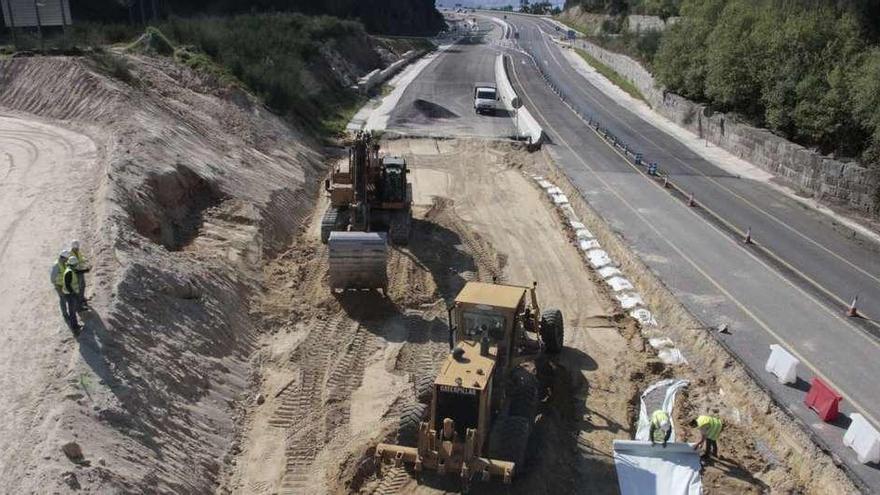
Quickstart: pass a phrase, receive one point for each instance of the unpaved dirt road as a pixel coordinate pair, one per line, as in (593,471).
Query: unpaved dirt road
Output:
(46,177)
(336,368)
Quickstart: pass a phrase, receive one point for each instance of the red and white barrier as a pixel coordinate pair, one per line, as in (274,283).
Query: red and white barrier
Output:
(863,438)
(823,399)
(782,364)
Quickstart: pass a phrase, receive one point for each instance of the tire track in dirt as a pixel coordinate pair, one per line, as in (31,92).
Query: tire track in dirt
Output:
(331,365)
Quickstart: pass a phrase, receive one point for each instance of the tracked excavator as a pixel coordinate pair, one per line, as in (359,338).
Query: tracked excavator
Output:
(473,418)
(370,205)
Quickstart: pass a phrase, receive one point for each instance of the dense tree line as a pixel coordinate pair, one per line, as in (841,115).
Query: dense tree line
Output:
(662,8)
(808,70)
(379,16)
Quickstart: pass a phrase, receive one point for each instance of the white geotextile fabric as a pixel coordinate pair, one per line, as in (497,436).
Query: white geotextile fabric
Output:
(672,387)
(646,470)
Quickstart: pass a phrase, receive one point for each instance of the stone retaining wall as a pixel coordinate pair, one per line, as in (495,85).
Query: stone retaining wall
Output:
(803,169)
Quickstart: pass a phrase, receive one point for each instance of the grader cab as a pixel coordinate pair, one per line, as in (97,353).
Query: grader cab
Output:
(473,419)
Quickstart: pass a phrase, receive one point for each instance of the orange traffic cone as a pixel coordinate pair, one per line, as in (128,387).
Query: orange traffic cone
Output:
(748,239)
(691,201)
(852,312)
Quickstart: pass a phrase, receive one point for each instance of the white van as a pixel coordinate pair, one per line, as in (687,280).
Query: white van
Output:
(485,98)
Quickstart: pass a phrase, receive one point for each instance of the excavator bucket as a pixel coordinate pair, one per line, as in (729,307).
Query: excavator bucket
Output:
(358,260)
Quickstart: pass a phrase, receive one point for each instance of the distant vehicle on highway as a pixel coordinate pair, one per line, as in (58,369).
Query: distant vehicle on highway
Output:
(485,98)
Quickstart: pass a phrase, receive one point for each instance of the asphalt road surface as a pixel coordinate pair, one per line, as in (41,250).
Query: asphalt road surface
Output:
(791,289)
(440,101)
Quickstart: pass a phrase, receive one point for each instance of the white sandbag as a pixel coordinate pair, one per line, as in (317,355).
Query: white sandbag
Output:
(629,300)
(598,258)
(588,244)
(609,271)
(644,317)
(583,234)
(619,284)
(559,199)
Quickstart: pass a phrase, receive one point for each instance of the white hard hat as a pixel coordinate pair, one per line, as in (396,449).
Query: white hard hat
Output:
(72,261)
(74,244)
(665,425)
(64,254)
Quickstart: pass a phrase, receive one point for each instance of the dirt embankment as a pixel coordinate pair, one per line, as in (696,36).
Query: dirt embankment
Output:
(195,185)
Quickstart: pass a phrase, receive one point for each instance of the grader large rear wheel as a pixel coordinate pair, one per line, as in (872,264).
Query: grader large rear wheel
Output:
(522,393)
(509,439)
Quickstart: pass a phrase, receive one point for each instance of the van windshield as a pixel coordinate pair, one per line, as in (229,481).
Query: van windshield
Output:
(485,94)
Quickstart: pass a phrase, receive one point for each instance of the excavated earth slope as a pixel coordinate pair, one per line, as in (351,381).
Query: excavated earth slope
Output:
(178,189)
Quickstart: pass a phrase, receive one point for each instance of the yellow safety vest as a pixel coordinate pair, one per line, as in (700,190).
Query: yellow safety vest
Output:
(713,426)
(59,276)
(79,257)
(74,281)
(657,418)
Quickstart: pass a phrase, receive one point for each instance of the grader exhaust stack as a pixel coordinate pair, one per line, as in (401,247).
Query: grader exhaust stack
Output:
(370,205)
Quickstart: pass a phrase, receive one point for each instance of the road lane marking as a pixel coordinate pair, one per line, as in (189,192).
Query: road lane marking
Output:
(690,261)
(711,179)
(829,293)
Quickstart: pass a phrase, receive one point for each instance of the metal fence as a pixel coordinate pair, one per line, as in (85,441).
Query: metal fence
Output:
(34,13)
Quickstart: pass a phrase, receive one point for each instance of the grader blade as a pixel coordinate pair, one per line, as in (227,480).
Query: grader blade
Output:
(358,260)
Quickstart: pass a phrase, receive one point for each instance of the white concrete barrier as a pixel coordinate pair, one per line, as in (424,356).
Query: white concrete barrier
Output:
(376,77)
(526,125)
(782,364)
(863,438)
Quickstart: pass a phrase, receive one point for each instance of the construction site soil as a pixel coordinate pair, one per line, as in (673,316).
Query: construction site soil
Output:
(335,368)
(217,359)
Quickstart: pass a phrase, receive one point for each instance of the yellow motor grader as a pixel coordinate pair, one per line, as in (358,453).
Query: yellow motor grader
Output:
(474,418)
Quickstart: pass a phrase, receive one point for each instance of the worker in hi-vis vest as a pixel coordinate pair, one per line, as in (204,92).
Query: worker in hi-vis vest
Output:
(710,429)
(661,427)
(56,275)
(81,268)
(72,294)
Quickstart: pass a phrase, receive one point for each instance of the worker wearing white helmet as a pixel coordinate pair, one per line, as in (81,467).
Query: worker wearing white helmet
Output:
(71,292)
(56,275)
(661,427)
(81,270)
